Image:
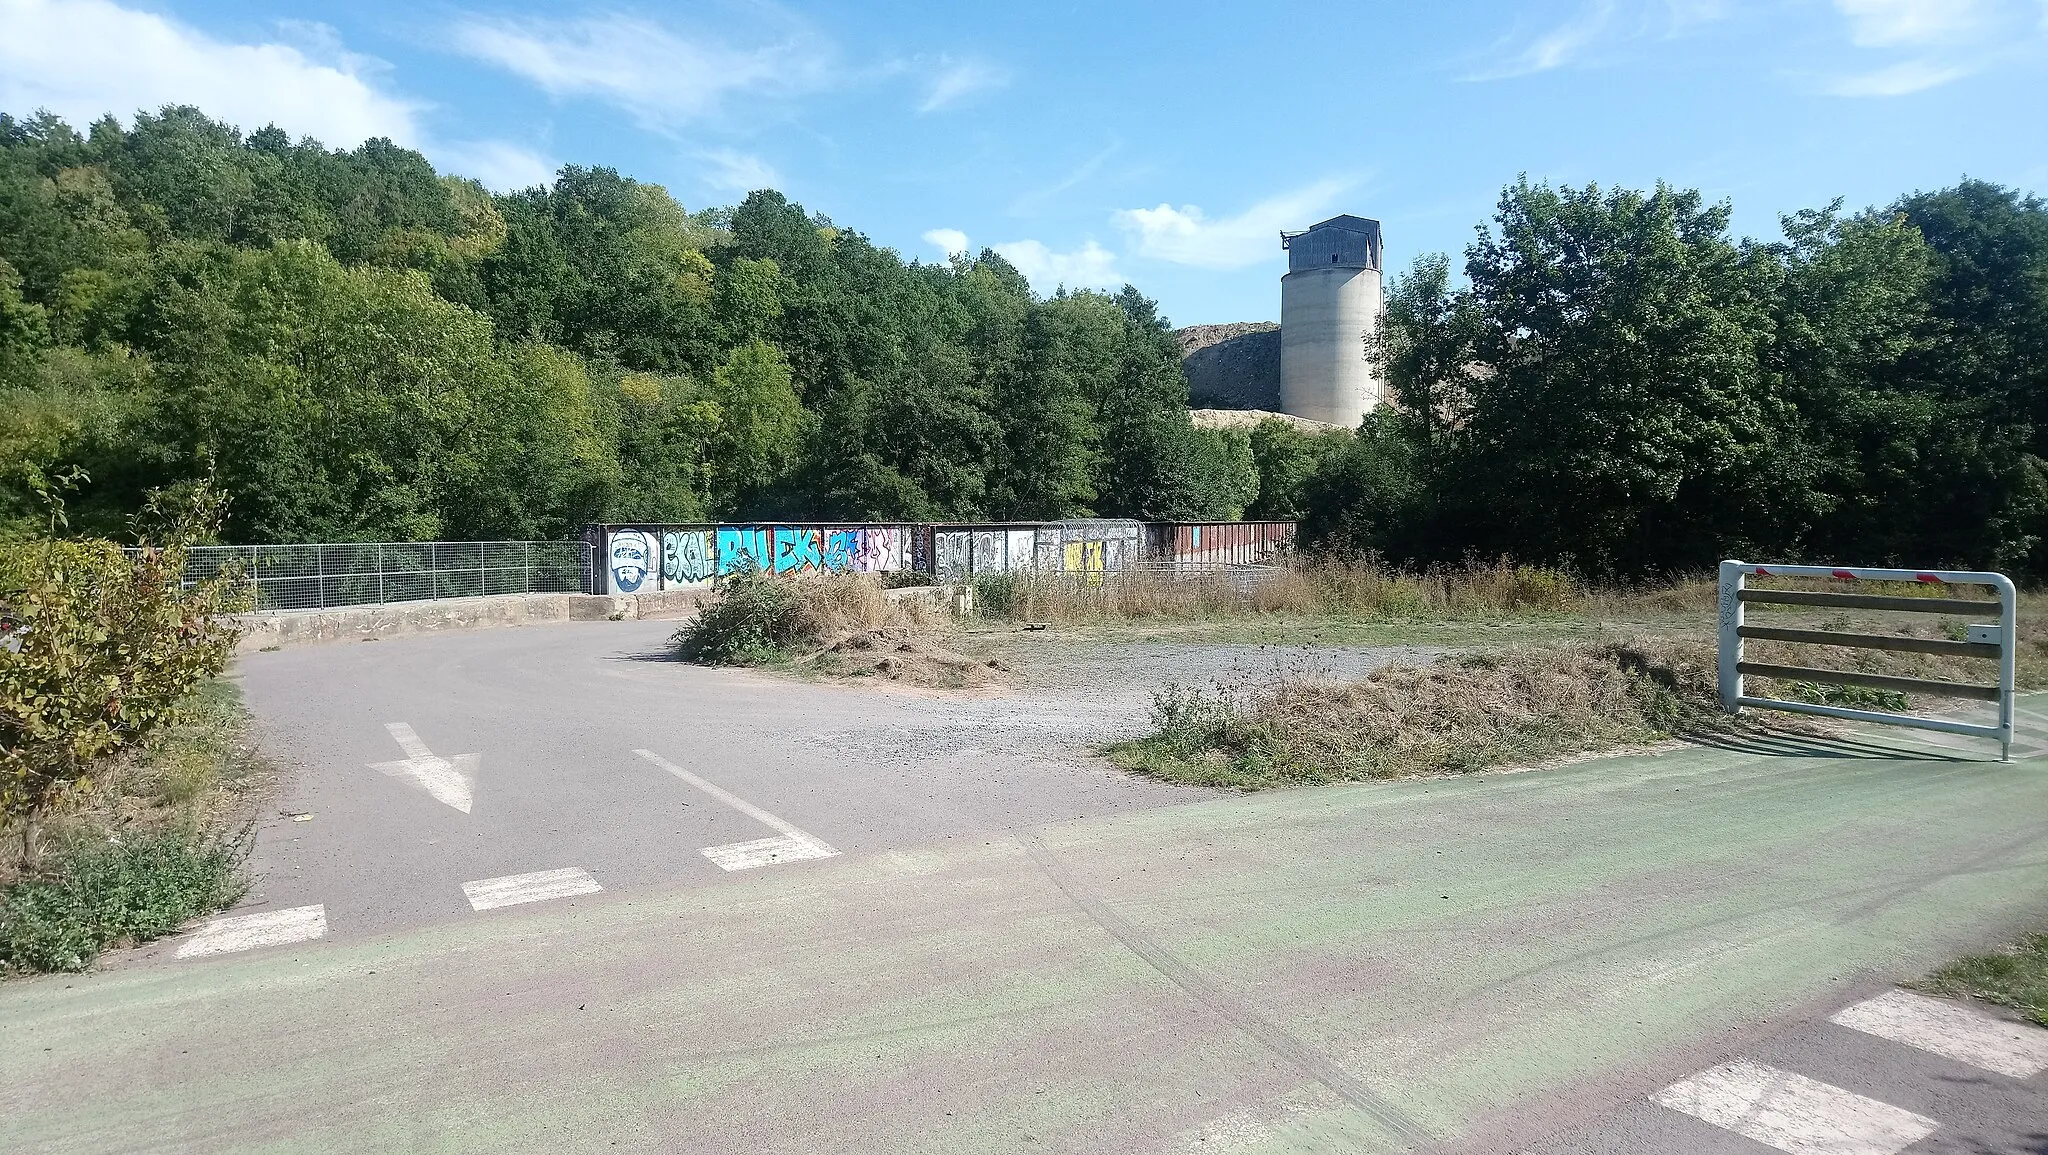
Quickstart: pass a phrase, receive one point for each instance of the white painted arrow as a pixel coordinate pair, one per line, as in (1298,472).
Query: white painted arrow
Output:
(447,779)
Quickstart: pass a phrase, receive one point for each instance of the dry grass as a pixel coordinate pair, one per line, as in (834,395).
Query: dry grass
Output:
(1461,713)
(1306,589)
(831,605)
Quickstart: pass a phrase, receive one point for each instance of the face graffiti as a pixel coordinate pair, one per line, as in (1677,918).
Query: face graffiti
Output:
(629,552)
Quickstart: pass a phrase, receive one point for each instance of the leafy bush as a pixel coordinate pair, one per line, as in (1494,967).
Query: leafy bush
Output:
(103,648)
(755,618)
(103,894)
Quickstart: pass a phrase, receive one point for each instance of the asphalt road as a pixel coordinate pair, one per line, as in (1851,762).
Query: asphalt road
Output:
(1010,949)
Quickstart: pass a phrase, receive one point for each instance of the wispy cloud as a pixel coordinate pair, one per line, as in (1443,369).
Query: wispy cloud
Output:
(1901,79)
(1089,267)
(1189,236)
(951,242)
(1935,42)
(85,58)
(957,79)
(667,78)
(1890,23)
(1027,203)
(729,171)
(1598,32)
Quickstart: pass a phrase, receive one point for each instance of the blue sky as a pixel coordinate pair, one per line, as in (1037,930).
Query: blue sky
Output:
(1163,144)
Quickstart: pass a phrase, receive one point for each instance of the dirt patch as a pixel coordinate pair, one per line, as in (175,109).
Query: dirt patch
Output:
(899,655)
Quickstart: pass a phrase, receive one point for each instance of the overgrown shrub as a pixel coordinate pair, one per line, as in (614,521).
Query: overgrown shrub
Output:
(759,619)
(754,618)
(103,647)
(102,895)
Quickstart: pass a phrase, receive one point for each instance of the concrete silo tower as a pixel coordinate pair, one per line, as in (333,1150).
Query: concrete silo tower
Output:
(1329,302)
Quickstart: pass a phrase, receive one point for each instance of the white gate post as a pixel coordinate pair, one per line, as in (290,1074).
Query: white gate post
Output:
(1731,636)
(2008,662)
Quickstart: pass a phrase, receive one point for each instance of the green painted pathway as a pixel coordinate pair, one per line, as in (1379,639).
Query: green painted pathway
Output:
(1462,964)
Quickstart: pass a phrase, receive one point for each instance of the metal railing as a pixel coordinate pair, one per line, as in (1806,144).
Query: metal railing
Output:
(1995,640)
(327,575)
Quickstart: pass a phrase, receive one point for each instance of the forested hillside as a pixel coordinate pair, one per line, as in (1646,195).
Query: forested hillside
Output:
(360,348)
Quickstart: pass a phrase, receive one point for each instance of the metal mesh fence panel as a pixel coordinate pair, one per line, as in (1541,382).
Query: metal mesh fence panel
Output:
(327,575)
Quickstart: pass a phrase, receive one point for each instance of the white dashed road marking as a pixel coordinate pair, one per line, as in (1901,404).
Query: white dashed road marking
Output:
(513,889)
(794,845)
(230,933)
(1952,1031)
(1794,1113)
(446,779)
(766,852)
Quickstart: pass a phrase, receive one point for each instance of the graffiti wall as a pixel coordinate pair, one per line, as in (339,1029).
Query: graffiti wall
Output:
(641,558)
(1086,547)
(693,557)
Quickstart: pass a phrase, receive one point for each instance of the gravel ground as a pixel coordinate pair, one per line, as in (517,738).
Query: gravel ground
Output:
(1065,696)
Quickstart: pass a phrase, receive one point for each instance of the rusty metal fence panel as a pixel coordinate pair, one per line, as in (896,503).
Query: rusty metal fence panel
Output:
(331,574)
(1997,640)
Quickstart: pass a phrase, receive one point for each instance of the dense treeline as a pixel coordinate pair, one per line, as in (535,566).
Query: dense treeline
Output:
(360,348)
(1622,388)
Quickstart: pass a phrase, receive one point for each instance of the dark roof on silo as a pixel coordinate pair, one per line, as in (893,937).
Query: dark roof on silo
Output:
(1347,221)
(1343,240)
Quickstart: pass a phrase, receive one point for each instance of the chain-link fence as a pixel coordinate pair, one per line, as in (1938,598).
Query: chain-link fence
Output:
(305,577)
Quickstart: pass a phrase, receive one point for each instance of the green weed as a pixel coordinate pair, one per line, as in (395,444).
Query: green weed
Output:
(2016,978)
(98,896)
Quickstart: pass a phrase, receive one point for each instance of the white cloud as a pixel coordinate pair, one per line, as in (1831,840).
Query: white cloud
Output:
(1889,23)
(957,79)
(737,172)
(500,165)
(661,76)
(84,58)
(1901,79)
(948,241)
(1188,236)
(1089,267)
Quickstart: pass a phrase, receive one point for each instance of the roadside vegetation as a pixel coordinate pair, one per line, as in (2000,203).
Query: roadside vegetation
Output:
(830,625)
(2016,977)
(125,776)
(1623,667)
(1462,712)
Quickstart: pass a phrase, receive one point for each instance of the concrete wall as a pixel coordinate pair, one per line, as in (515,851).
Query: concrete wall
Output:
(278,628)
(1325,314)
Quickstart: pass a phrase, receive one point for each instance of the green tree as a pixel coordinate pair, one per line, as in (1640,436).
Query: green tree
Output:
(1285,458)
(1595,396)
(762,426)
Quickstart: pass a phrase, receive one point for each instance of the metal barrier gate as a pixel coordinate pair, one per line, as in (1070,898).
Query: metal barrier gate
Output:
(1981,640)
